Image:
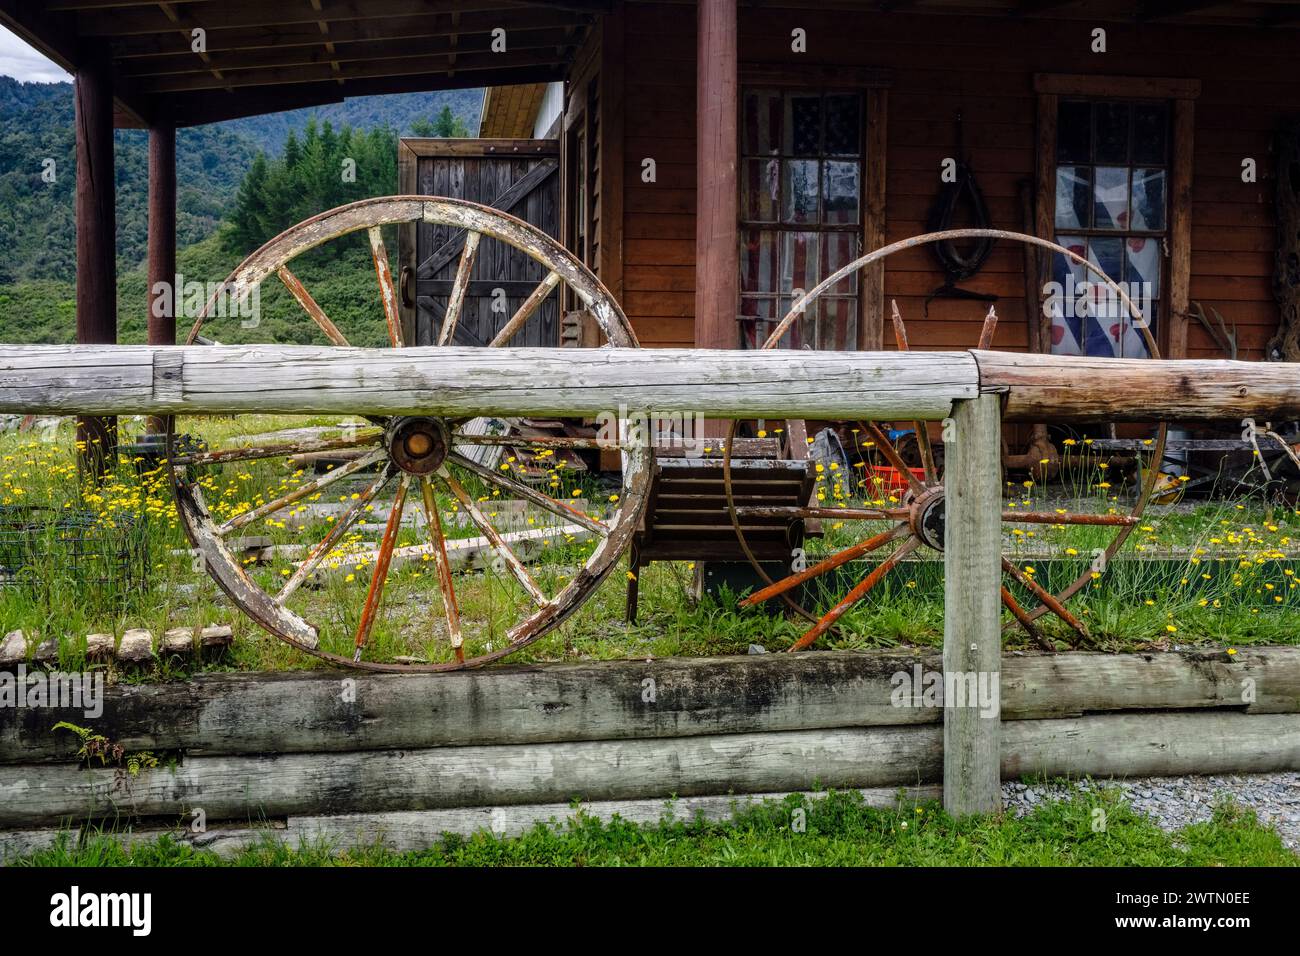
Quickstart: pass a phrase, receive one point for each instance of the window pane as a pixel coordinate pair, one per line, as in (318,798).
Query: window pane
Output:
(1112,132)
(1110,210)
(1074,132)
(1066,326)
(757,319)
(758,261)
(837,324)
(1150,132)
(1107,255)
(761,123)
(1073,197)
(839,249)
(803,124)
(799,260)
(1143,271)
(1148,199)
(843,124)
(799,190)
(839,192)
(760,189)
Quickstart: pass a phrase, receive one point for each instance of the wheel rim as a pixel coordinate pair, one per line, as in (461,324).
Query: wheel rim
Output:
(924,492)
(418,458)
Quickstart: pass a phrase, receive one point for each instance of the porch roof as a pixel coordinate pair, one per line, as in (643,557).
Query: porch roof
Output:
(262,56)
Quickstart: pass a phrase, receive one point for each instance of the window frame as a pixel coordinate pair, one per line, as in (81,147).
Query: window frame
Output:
(1180,94)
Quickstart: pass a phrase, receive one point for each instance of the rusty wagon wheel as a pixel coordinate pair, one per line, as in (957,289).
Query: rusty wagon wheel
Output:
(414,457)
(899,521)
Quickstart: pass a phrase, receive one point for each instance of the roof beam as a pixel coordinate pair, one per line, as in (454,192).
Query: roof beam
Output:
(260,13)
(324,51)
(406,65)
(1165,9)
(221,40)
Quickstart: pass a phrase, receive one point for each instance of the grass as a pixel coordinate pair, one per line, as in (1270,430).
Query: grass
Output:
(1212,572)
(1087,829)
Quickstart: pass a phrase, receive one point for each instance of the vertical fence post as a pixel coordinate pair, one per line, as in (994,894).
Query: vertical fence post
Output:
(972,632)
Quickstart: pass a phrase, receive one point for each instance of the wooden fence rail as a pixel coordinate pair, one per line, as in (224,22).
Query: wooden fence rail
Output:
(972,391)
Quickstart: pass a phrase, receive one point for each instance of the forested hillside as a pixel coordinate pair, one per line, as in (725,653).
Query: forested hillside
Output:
(239,183)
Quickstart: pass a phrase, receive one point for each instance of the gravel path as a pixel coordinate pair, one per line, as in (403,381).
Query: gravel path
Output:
(1174,802)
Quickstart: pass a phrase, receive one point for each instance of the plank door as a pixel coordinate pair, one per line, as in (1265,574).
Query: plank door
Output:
(518,177)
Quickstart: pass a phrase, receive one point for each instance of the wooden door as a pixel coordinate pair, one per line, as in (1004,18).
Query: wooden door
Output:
(518,177)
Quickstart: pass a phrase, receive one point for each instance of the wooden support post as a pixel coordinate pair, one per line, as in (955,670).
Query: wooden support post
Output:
(163,296)
(717,270)
(96,234)
(972,633)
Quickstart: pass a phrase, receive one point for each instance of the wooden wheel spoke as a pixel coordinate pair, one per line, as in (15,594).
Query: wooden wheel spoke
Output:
(506,483)
(900,330)
(531,304)
(857,594)
(1071,517)
(1048,600)
(281,450)
(302,491)
(310,306)
(375,593)
(458,289)
(331,540)
(824,565)
(510,559)
(895,460)
(438,544)
(387,291)
(990,326)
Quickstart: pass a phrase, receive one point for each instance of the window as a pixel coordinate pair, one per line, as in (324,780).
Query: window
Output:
(800,213)
(1112,187)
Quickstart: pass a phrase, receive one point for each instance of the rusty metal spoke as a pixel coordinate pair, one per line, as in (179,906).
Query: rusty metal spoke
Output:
(1048,600)
(508,557)
(824,565)
(1025,620)
(336,533)
(438,545)
(531,304)
(458,289)
(302,491)
(375,593)
(386,289)
(922,433)
(828,620)
(506,483)
(310,306)
(1071,517)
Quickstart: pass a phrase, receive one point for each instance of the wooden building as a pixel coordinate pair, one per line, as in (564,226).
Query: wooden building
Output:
(715,156)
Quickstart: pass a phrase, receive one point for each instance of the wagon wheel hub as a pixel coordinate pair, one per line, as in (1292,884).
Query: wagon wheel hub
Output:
(927,515)
(418,446)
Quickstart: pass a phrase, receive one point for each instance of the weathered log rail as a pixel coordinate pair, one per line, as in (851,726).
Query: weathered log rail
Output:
(160,380)
(361,758)
(965,387)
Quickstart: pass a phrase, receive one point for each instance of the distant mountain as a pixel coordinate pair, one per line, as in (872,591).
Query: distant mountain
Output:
(37,222)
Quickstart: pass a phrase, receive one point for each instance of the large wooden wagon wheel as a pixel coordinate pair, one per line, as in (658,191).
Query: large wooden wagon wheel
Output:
(897,523)
(419,460)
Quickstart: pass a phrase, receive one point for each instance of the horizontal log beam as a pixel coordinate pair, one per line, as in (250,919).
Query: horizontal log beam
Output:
(147,380)
(1081,388)
(241,788)
(293,712)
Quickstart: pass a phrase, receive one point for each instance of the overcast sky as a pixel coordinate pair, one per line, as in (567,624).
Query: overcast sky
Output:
(19,60)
